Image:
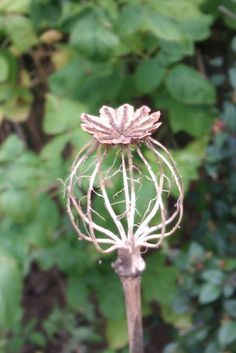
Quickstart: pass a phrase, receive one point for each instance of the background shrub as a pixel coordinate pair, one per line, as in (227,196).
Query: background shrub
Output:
(60,58)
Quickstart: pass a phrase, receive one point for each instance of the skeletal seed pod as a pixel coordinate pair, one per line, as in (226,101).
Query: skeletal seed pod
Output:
(120,183)
(118,193)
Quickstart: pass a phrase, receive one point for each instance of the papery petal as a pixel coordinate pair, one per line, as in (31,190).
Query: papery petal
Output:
(108,115)
(156,115)
(138,116)
(145,123)
(125,114)
(94,121)
(93,129)
(141,112)
(94,126)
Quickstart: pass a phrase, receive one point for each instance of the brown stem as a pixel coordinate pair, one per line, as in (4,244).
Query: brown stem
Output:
(129,266)
(131,286)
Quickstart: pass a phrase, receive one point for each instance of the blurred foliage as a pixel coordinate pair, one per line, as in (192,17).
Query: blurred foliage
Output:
(60,58)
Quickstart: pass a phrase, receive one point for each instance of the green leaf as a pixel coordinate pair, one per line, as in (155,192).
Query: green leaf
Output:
(20,172)
(227,333)
(132,19)
(10,292)
(159,280)
(17,108)
(136,18)
(76,292)
(128,89)
(96,90)
(20,6)
(12,147)
(196,253)
(79,138)
(213,276)
(54,148)
(179,10)
(172,348)
(213,347)
(116,333)
(228,17)
(228,290)
(65,82)
(181,321)
(45,14)
(230,307)
(193,119)
(188,86)
(209,292)
(94,83)
(14,200)
(149,75)
(61,114)
(40,233)
(20,169)
(59,254)
(20,31)
(189,160)
(38,339)
(5,92)
(12,74)
(4,68)
(228,115)
(172,52)
(198,28)
(232,77)
(211,6)
(111,302)
(163,27)
(93,36)
(9,239)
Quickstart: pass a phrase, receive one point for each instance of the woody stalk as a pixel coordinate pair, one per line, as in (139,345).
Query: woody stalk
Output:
(130,176)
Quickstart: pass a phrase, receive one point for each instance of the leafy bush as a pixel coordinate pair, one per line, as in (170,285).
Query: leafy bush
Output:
(60,58)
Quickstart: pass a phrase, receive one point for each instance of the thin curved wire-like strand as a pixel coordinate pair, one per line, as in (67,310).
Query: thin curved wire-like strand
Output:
(79,161)
(108,204)
(96,226)
(126,192)
(132,192)
(158,189)
(175,173)
(158,204)
(89,203)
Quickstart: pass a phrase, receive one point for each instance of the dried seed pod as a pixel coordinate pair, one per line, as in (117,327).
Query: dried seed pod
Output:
(120,183)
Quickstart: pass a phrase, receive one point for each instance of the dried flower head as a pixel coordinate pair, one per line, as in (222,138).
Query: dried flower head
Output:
(120,186)
(122,125)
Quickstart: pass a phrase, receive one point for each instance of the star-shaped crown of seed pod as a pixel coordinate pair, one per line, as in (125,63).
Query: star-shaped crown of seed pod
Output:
(122,125)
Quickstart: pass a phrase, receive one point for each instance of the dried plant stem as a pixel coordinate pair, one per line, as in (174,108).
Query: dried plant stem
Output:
(129,266)
(131,286)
